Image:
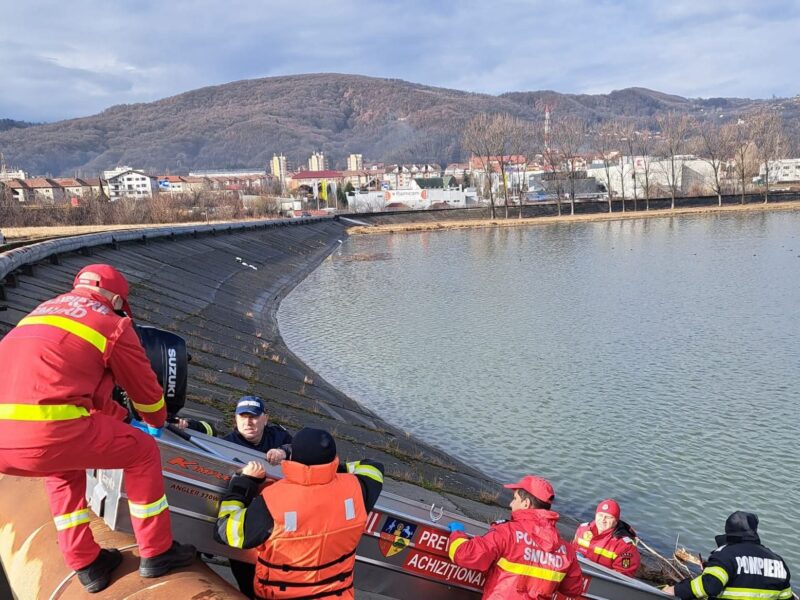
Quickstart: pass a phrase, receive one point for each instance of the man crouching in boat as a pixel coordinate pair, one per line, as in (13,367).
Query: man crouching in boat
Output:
(524,558)
(608,541)
(307,525)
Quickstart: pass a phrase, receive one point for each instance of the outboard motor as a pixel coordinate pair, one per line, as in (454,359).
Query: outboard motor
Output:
(169,359)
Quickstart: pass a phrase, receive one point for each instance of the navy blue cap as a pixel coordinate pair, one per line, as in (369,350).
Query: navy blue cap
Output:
(252,405)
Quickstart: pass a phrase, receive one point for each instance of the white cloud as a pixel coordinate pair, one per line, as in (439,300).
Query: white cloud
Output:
(77,58)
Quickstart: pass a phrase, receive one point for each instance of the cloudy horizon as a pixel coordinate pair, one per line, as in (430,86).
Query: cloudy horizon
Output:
(76,59)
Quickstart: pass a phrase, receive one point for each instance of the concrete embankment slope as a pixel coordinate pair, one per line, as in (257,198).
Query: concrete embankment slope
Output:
(221,293)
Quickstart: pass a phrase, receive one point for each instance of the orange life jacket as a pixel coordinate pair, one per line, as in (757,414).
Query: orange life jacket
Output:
(319,517)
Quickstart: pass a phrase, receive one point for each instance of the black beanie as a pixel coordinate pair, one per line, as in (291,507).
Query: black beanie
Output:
(313,447)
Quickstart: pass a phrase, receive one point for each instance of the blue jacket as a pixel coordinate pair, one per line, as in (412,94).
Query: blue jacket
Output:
(274,436)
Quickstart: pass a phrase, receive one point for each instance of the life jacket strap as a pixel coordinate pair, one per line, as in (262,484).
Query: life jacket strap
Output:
(342,558)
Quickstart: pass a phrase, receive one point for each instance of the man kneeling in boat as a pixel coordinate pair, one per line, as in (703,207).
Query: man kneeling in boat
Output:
(524,558)
(608,541)
(307,525)
(253,430)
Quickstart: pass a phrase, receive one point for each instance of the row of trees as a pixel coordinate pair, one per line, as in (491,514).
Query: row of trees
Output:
(734,150)
(161,208)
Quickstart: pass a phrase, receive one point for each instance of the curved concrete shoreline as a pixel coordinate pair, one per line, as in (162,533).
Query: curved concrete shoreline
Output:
(221,293)
(200,289)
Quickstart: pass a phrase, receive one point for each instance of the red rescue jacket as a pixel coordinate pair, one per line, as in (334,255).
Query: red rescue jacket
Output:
(319,517)
(614,548)
(524,558)
(61,364)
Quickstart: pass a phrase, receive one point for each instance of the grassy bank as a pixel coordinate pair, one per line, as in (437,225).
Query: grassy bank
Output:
(547,220)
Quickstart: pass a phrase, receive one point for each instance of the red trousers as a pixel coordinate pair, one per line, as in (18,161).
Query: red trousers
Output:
(105,443)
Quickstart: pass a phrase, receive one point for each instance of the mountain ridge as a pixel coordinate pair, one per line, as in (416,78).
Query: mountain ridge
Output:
(242,123)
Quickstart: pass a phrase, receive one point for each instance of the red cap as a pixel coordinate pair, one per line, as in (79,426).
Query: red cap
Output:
(610,507)
(107,278)
(536,486)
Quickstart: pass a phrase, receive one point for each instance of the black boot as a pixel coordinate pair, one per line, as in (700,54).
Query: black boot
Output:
(179,555)
(97,575)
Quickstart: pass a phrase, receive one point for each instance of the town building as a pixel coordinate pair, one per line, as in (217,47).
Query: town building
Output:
(316,162)
(784,170)
(45,190)
(19,190)
(355,162)
(421,194)
(125,182)
(319,185)
(73,189)
(7,174)
(693,176)
(279,168)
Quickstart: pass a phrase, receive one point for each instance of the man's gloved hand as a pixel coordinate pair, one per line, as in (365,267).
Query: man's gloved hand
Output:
(154,431)
(455,526)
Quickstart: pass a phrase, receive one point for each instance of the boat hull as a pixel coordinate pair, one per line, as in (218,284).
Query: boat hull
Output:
(402,553)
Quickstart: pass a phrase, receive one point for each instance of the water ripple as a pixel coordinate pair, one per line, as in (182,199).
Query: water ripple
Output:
(655,361)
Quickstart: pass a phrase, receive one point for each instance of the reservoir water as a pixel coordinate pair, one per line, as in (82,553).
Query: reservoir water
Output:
(656,361)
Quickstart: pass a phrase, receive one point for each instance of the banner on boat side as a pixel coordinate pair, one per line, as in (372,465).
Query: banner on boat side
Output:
(440,568)
(395,536)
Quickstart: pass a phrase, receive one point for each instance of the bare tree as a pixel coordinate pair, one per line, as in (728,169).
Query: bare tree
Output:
(569,135)
(644,148)
(523,142)
(8,206)
(766,129)
(674,132)
(479,140)
(743,153)
(510,139)
(493,140)
(604,143)
(553,160)
(628,138)
(715,147)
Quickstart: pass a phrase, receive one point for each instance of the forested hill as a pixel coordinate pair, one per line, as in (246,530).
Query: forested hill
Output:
(6,124)
(242,124)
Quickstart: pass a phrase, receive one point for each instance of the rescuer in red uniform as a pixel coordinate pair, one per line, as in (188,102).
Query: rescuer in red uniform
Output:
(524,558)
(307,525)
(57,419)
(609,541)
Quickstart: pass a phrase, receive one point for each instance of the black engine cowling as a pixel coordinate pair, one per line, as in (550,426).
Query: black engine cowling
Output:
(169,359)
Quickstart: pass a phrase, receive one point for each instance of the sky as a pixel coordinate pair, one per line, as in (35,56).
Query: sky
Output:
(76,58)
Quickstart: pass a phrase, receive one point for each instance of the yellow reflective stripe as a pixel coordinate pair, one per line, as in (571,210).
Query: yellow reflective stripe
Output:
(95,338)
(228,507)
(454,545)
(369,471)
(144,511)
(584,543)
(73,519)
(530,570)
(42,412)
(751,594)
(234,529)
(207,427)
(149,408)
(717,572)
(697,587)
(786,594)
(606,553)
